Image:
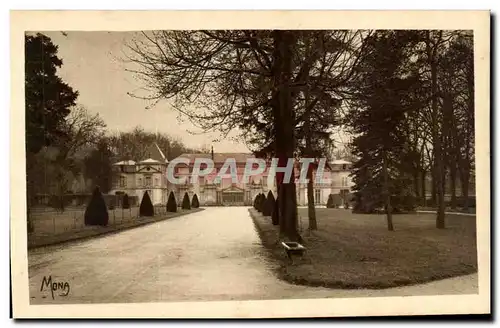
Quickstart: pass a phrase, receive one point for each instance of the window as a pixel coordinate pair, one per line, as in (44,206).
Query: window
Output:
(139,182)
(344,167)
(344,181)
(264,181)
(157,182)
(123,182)
(201,181)
(147,182)
(317,196)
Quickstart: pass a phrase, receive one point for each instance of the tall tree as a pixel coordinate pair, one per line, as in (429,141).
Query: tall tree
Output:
(381,98)
(48,100)
(456,83)
(98,166)
(83,130)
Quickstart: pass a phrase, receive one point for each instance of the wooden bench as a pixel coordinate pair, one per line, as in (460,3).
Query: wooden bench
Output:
(293,248)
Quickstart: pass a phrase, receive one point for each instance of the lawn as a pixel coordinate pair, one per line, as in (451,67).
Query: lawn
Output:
(357,251)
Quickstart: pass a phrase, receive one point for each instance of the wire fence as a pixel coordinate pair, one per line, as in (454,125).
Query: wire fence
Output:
(49,222)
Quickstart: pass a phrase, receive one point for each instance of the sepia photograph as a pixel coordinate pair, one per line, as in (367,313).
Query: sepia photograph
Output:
(250,165)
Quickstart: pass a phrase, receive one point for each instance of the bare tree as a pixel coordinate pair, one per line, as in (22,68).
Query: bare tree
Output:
(222,80)
(83,129)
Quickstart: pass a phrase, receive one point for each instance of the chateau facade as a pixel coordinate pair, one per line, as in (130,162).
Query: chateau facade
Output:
(150,175)
(225,191)
(147,175)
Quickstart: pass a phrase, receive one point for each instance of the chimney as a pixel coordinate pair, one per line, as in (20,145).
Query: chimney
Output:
(212,152)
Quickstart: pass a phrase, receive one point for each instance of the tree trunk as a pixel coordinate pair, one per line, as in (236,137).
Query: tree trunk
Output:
(311,210)
(423,176)
(438,151)
(285,138)
(453,185)
(434,185)
(387,193)
(465,177)
(416,183)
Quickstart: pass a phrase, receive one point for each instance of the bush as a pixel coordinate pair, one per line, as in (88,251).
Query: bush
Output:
(125,202)
(171,203)
(403,203)
(194,202)
(337,200)
(329,202)
(146,208)
(269,204)
(348,200)
(58,202)
(96,212)
(186,205)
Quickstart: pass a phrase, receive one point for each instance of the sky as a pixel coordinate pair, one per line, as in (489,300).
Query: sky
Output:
(93,64)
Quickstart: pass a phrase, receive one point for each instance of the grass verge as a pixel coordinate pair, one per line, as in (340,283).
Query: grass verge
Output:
(42,240)
(354,251)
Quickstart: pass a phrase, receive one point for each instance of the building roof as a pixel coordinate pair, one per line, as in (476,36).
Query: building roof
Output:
(220,157)
(153,152)
(149,161)
(125,163)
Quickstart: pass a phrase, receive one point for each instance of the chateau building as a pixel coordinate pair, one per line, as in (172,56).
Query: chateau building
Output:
(338,182)
(147,175)
(225,191)
(150,175)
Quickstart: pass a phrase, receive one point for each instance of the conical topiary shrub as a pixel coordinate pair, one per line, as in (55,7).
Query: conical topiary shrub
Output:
(194,202)
(256,199)
(186,205)
(171,203)
(268,204)
(257,202)
(262,202)
(125,202)
(146,208)
(96,212)
(275,214)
